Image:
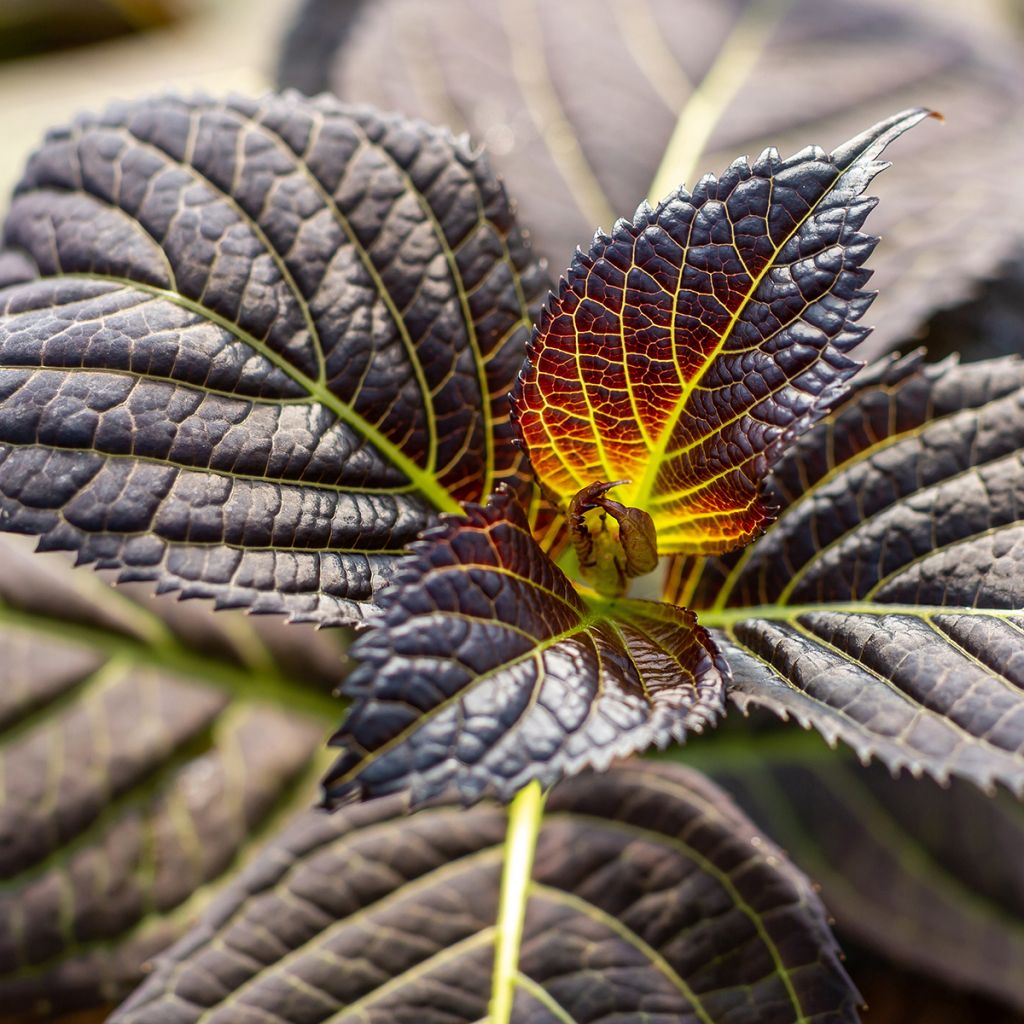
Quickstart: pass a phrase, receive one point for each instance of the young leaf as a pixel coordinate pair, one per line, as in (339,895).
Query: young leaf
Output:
(269,340)
(141,759)
(489,670)
(582,104)
(688,349)
(928,876)
(652,899)
(885,607)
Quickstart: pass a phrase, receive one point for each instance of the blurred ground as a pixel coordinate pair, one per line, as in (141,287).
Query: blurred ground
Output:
(222,45)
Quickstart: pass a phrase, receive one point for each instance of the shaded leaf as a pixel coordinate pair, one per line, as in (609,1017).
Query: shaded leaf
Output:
(489,670)
(577,102)
(15,267)
(885,607)
(689,348)
(930,876)
(990,325)
(141,760)
(902,996)
(652,897)
(270,338)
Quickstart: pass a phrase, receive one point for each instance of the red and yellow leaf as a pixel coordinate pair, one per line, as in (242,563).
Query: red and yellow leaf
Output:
(692,345)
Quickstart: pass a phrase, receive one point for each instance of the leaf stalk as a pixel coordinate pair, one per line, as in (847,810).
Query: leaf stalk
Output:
(524,818)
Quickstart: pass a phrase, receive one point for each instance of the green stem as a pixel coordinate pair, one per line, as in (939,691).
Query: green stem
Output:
(524,818)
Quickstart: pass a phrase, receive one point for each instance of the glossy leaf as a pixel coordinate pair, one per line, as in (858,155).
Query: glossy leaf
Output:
(885,606)
(144,752)
(929,876)
(652,899)
(578,148)
(489,670)
(688,349)
(269,339)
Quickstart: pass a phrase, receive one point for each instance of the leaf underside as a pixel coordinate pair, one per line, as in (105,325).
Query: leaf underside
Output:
(269,339)
(651,898)
(885,607)
(488,670)
(930,876)
(687,349)
(136,774)
(578,148)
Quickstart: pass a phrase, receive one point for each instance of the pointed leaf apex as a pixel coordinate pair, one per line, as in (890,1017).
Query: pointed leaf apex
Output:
(869,144)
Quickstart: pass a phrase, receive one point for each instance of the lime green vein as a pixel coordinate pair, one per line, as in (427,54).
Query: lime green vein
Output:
(342,220)
(447,871)
(721,618)
(544,997)
(624,932)
(467,318)
(424,480)
(723,878)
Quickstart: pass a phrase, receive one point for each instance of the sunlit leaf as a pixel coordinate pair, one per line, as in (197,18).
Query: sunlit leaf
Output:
(269,340)
(143,755)
(577,102)
(652,899)
(929,876)
(687,349)
(489,670)
(885,607)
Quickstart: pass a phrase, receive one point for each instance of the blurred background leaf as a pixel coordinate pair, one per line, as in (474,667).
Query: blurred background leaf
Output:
(583,103)
(931,877)
(36,26)
(147,748)
(213,45)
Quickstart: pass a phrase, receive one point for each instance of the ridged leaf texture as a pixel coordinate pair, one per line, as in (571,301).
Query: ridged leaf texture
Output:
(267,341)
(929,876)
(885,606)
(687,349)
(489,670)
(685,86)
(652,898)
(144,752)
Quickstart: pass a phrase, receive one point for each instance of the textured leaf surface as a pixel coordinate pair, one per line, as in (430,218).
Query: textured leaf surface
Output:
(489,670)
(578,148)
(268,340)
(652,898)
(689,347)
(930,876)
(885,606)
(142,755)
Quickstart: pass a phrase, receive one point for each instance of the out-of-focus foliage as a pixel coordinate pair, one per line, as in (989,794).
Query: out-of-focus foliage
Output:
(36,26)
